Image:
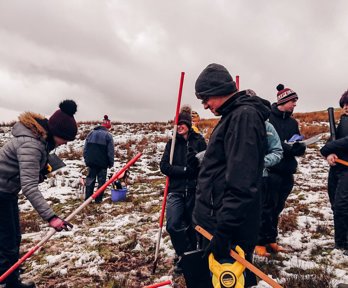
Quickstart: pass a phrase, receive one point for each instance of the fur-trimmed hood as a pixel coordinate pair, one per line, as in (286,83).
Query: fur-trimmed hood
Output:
(31,127)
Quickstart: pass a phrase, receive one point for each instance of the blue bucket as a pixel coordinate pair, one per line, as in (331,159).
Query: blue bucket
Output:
(118,194)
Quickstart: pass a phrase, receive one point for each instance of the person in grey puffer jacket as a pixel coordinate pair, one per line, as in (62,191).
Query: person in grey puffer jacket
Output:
(23,162)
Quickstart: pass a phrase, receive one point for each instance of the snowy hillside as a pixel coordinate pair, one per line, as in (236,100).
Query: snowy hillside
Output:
(112,243)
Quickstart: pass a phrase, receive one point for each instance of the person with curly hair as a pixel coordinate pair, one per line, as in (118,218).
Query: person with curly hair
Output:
(23,165)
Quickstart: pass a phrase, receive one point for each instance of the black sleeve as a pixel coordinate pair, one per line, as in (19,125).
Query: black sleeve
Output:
(168,169)
(340,145)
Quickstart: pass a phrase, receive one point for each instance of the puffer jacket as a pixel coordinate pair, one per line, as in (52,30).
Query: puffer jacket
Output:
(274,151)
(179,180)
(228,197)
(21,160)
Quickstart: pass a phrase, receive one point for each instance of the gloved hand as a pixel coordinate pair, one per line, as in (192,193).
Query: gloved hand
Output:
(191,159)
(59,224)
(298,149)
(42,178)
(296,137)
(219,246)
(46,170)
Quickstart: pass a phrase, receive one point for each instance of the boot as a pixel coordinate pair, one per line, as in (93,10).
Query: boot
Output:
(277,248)
(20,284)
(261,251)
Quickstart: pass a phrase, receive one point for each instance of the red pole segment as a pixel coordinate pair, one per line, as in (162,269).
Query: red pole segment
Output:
(168,282)
(167,178)
(115,176)
(52,231)
(164,202)
(237,82)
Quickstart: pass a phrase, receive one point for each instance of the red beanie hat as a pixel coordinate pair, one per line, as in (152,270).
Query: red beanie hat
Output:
(106,122)
(62,123)
(285,94)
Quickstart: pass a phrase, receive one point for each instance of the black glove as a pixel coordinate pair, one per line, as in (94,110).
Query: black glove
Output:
(45,171)
(219,246)
(42,178)
(298,149)
(191,159)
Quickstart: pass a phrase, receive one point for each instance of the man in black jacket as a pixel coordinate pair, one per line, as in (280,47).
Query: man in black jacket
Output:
(338,177)
(228,197)
(281,178)
(182,185)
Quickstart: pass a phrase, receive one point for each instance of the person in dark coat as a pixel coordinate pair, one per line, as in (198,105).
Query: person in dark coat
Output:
(182,175)
(98,153)
(228,197)
(23,165)
(281,178)
(338,177)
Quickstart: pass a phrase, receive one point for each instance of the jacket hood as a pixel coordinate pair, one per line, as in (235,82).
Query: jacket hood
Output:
(100,127)
(28,126)
(241,99)
(279,113)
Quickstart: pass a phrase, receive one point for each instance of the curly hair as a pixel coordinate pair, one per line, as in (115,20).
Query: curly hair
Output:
(344,99)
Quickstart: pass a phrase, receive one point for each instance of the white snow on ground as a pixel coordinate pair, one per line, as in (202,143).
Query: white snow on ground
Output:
(113,243)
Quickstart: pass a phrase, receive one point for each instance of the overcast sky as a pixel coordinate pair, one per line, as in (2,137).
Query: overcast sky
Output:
(124,58)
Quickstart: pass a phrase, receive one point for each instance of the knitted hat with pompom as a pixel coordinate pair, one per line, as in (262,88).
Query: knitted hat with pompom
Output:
(285,94)
(62,123)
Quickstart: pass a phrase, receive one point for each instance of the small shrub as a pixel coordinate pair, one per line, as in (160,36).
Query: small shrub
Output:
(288,222)
(29,223)
(312,278)
(71,153)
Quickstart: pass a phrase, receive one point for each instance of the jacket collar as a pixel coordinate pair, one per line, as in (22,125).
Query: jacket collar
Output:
(279,113)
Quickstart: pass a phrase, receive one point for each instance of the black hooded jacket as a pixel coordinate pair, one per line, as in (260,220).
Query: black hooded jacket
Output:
(339,146)
(228,190)
(286,126)
(180,181)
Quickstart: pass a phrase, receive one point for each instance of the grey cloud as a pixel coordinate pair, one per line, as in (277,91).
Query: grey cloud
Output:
(124,58)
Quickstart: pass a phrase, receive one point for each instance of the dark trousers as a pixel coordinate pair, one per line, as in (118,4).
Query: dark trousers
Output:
(250,278)
(94,173)
(10,236)
(338,194)
(179,221)
(276,189)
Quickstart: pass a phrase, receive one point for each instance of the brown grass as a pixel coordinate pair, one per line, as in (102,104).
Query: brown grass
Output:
(7,124)
(317,116)
(71,153)
(311,278)
(288,222)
